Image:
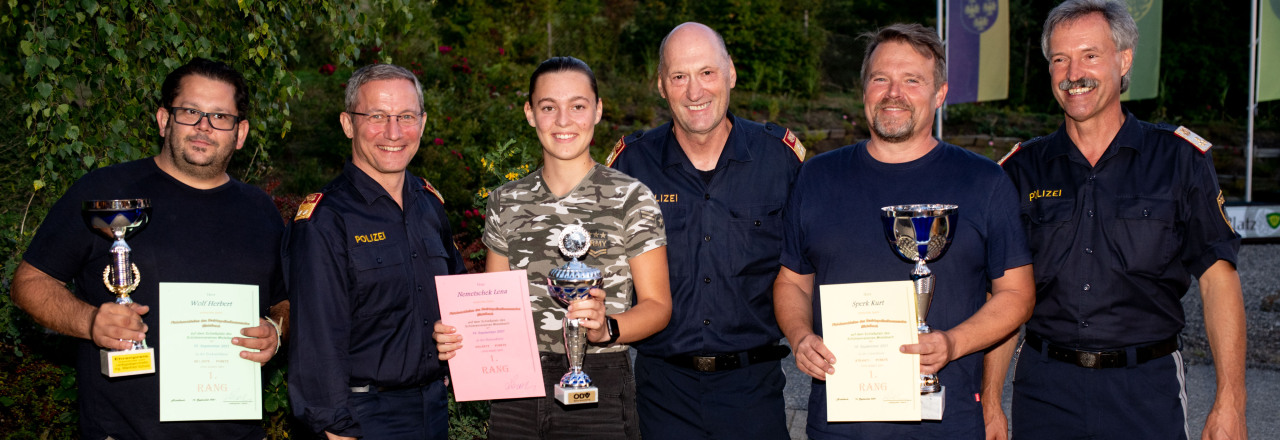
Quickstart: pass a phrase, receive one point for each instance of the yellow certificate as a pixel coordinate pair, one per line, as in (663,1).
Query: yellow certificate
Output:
(202,376)
(863,324)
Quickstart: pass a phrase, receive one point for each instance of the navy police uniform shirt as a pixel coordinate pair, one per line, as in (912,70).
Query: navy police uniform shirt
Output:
(724,237)
(361,278)
(1116,244)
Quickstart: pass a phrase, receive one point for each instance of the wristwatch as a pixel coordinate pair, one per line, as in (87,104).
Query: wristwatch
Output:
(612,326)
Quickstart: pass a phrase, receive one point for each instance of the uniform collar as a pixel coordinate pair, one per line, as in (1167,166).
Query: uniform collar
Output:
(735,146)
(1129,137)
(368,188)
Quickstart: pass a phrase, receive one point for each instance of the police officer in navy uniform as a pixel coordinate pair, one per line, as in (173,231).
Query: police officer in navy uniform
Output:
(1120,215)
(721,181)
(360,260)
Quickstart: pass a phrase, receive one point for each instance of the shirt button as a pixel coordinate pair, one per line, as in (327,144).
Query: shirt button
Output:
(1092,177)
(379,259)
(1088,250)
(706,197)
(415,255)
(706,238)
(706,322)
(707,280)
(757,222)
(1146,212)
(426,322)
(419,288)
(1087,286)
(1090,212)
(1084,324)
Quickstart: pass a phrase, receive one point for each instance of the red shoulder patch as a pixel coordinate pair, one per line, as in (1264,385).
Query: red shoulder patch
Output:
(427,186)
(1015,149)
(617,148)
(793,142)
(308,206)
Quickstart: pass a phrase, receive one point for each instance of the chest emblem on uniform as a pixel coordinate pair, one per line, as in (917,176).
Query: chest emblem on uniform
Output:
(370,238)
(1042,193)
(1273,220)
(668,198)
(599,243)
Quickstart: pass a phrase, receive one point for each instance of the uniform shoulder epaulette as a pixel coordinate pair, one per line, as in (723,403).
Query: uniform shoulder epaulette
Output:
(427,186)
(621,145)
(788,138)
(1016,148)
(308,206)
(1187,135)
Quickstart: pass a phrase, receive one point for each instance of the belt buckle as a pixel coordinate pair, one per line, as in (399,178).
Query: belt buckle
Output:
(706,364)
(1088,359)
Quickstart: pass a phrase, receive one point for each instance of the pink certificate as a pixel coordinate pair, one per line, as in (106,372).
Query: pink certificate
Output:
(499,355)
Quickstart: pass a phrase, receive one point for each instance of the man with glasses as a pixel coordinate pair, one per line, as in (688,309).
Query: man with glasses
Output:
(360,261)
(206,228)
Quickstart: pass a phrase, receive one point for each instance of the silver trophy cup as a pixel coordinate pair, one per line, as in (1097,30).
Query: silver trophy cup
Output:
(116,220)
(570,283)
(920,234)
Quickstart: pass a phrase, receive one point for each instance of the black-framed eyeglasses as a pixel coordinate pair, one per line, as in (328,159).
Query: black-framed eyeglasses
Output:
(404,119)
(190,116)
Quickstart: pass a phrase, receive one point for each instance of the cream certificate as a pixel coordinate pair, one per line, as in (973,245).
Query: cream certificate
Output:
(499,354)
(202,376)
(863,324)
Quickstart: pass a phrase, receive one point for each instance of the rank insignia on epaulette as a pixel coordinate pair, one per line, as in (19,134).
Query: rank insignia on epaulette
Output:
(794,143)
(1194,139)
(1015,149)
(617,148)
(427,186)
(308,206)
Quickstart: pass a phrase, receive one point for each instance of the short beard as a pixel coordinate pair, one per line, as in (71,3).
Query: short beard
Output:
(216,168)
(894,136)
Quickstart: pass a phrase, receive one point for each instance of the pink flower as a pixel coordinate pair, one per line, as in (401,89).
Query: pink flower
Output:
(467,213)
(502,51)
(375,49)
(991,143)
(464,224)
(439,141)
(327,69)
(444,49)
(455,152)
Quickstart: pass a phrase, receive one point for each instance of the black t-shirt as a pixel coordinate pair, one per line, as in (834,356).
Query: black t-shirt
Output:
(229,234)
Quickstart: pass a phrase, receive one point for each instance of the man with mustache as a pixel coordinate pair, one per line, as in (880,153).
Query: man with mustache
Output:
(721,182)
(205,227)
(1120,215)
(833,235)
(360,261)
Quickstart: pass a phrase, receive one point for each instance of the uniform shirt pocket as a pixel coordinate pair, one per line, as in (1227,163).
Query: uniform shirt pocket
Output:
(379,276)
(1049,232)
(756,238)
(1144,234)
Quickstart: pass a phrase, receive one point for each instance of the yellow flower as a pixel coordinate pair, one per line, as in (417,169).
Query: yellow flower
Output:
(483,193)
(512,176)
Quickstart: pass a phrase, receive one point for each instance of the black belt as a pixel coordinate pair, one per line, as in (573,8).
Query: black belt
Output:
(385,389)
(730,361)
(1102,359)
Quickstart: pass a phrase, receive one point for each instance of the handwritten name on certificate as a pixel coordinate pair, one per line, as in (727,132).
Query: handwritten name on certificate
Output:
(863,324)
(499,354)
(202,376)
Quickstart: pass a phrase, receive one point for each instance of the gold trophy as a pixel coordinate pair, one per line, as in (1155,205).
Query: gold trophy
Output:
(116,220)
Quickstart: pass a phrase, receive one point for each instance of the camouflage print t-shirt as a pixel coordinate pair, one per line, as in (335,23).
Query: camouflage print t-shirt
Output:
(524,220)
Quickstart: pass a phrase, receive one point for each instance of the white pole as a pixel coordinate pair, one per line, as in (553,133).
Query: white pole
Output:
(1253,102)
(947,48)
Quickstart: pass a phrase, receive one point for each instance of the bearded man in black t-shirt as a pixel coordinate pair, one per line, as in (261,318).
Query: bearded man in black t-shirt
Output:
(205,227)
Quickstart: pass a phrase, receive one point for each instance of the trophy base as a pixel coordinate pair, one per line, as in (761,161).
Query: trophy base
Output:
(574,396)
(128,362)
(932,404)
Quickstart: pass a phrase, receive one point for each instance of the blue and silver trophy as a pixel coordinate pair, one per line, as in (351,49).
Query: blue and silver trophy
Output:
(116,220)
(919,234)
(569,283)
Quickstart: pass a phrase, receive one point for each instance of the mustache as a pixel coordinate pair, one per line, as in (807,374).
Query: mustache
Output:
(1066,85)
(893,102)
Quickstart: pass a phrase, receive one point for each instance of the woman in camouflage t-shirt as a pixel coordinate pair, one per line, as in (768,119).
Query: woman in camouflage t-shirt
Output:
(524,218)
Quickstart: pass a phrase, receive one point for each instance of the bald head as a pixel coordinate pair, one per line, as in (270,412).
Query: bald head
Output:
(692,34)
